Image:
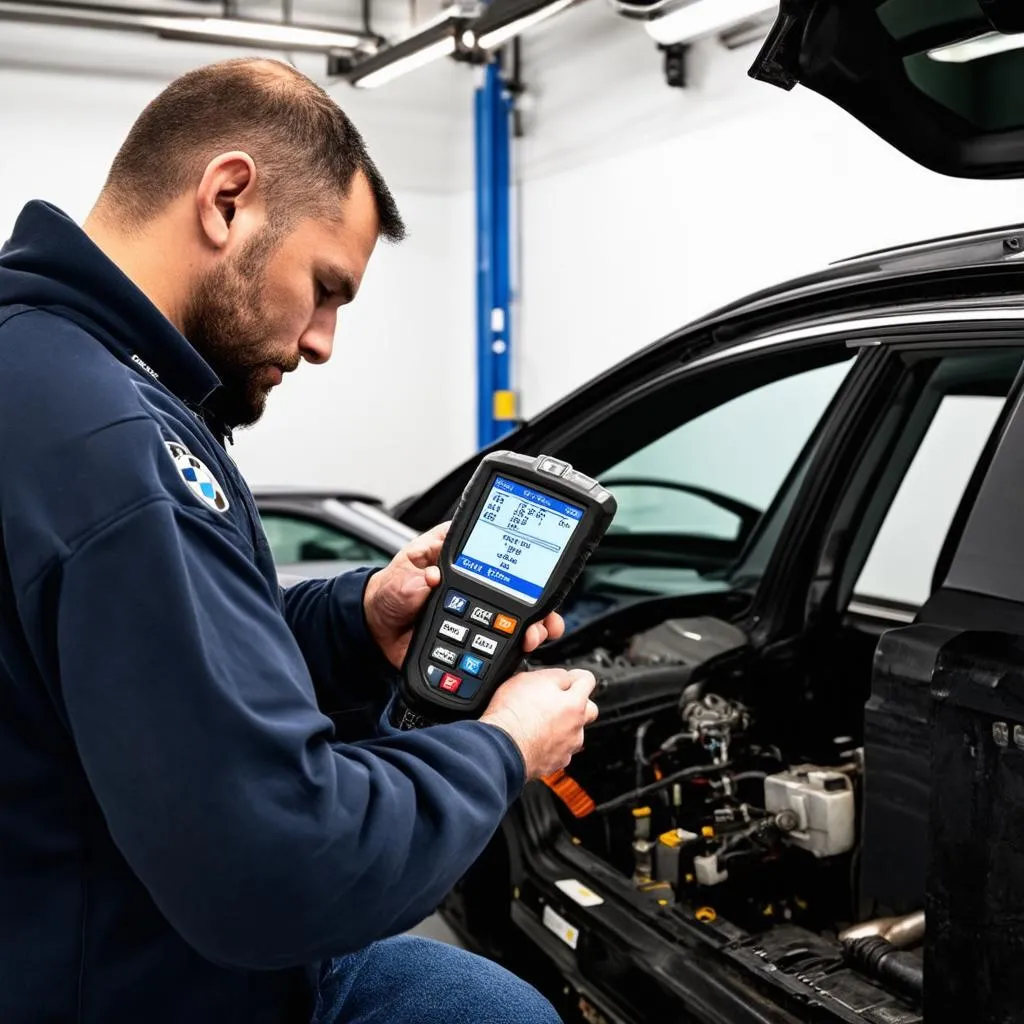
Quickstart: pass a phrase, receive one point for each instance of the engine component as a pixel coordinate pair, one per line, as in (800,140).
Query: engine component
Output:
(657,665)
(643,846)
(823,802)
(712,722)
(884,961)
(901,932)
(694,771)
(813,967)
(686,641)
(707,871)
(668,853)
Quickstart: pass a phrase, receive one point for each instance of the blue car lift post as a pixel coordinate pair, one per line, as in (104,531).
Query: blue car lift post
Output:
(496,401)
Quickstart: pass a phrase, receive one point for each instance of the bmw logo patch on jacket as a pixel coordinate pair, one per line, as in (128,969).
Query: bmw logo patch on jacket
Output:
(183,838)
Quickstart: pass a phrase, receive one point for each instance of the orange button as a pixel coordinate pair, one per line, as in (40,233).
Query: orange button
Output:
(505,624)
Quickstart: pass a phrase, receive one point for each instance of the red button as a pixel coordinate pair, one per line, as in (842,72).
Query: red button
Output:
(450,683)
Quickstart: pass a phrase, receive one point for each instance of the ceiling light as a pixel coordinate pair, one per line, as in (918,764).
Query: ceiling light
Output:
(702,18)
(169,24)
(974,49)
(440,37)
(398,66)
(267,33)
(503,20)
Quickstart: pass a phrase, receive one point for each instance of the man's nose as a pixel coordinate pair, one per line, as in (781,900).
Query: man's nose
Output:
(317,342)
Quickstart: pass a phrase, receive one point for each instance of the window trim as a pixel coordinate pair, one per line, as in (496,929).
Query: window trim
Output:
(854,328)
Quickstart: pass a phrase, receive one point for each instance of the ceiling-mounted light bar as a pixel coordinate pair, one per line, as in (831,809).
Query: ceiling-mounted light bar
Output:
(264,33)
(701,18)
(439,38)
(503,20)
(172,24)
(975,49)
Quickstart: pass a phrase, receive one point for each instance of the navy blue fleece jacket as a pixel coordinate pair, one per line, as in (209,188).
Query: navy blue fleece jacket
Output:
(182,837)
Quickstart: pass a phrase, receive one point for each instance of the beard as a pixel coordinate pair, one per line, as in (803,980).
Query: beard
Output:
(226,323)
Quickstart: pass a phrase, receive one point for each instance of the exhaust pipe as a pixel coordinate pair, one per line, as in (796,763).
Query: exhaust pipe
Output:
(901,932)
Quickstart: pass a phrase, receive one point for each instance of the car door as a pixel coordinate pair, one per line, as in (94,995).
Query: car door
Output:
(939,81)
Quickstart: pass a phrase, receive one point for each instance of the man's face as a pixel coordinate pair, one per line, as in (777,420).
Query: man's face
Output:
(275,301)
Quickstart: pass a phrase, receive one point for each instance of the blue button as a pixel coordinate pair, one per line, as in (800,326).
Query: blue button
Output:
(456,603)
(473,666)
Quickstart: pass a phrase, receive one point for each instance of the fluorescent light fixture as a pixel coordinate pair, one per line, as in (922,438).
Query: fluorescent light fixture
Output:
(977,48)
(171,24)
(397,68)
(266,33)
(701,18)
(503,20)
(438,39)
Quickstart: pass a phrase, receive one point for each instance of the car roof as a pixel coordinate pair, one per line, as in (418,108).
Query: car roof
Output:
(985,247)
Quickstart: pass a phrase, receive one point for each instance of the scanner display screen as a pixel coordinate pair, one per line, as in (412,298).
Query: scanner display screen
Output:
(518,539)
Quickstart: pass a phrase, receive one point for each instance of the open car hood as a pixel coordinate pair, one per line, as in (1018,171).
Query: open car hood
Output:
(941,80)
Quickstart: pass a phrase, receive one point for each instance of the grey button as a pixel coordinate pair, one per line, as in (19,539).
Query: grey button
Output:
(553,466)
(445,655)
(434,676)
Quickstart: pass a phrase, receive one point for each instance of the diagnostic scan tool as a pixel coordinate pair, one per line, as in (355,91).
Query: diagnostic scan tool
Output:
(522,533)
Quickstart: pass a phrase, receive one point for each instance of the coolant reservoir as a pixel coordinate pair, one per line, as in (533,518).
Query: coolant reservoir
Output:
(823,803)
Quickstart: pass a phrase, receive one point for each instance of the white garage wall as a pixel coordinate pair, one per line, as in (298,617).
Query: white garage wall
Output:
(405,348)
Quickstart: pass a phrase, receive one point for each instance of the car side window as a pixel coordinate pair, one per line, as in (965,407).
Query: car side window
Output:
(902,561)
(715,475)
(916,498)
(294,540)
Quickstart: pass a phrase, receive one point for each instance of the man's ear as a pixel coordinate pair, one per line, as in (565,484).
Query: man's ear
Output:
(228,184)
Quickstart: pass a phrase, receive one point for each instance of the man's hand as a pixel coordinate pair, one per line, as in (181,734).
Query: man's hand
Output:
(395,596)
(544,712)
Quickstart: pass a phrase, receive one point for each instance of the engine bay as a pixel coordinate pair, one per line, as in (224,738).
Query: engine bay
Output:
(709,788)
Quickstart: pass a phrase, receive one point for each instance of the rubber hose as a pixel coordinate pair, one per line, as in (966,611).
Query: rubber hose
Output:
(884,961)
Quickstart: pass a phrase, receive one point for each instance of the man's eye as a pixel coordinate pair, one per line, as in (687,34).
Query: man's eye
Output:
(323,293)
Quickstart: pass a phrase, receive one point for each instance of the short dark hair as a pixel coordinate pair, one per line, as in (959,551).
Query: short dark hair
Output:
(302,142)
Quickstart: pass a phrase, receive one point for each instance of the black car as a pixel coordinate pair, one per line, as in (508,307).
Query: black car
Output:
(315,532)
(804,797)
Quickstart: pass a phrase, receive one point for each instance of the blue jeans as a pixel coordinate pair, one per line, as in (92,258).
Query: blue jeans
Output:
(409,980)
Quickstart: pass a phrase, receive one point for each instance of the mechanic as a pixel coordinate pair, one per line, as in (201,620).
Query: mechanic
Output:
(184,838)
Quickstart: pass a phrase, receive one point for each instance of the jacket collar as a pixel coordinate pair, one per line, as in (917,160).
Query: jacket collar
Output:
(51,263)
